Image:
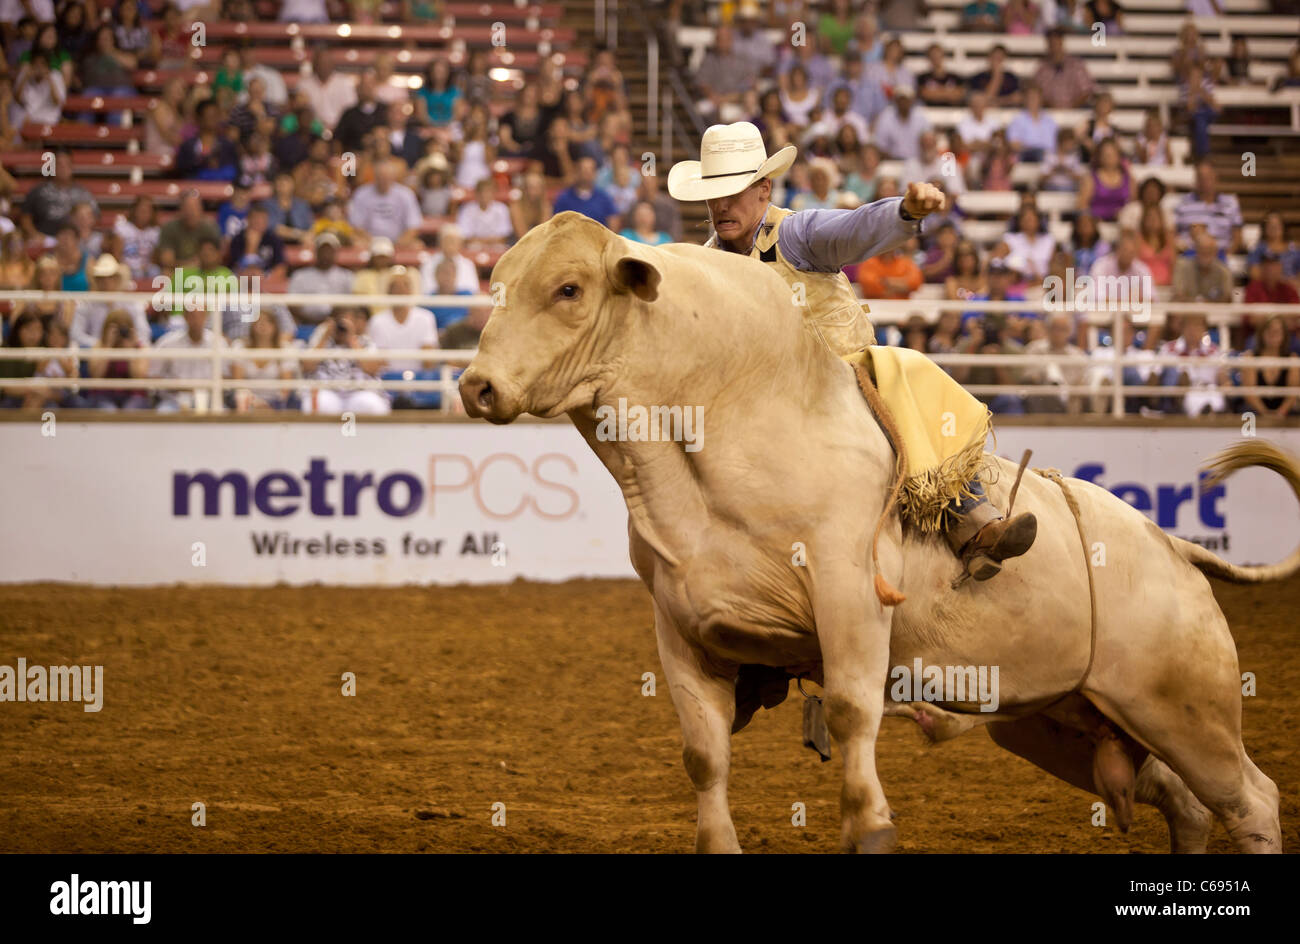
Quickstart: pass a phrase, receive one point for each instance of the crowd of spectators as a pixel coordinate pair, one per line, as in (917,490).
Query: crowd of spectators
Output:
(369,163)
(848,100)
(340,161)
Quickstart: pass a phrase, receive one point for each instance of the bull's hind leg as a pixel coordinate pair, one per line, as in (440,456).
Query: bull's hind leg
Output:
(706,705)
(1067,754)
(1189,821)
(1183,701)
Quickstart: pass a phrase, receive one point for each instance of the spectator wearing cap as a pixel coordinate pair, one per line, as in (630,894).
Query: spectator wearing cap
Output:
(900,126)
(323,277)
(485,217)
(373,279)
(584,197)
(88,317)
(1219,213)
(403,327)
(1269,288)
(1063,79)
(451,245)
(194,335)
(258,239)
(50,203)
(1032,132)
(232,214)
(208,154)
(386,208)
(179,238)
(1201,276)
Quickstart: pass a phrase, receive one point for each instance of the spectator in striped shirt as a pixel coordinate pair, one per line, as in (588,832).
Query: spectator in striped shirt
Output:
(1219,213)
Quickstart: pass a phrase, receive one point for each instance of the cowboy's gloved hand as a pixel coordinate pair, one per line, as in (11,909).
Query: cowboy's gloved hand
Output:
(922,199)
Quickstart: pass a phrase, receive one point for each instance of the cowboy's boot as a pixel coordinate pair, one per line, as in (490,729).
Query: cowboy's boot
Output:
(982,538)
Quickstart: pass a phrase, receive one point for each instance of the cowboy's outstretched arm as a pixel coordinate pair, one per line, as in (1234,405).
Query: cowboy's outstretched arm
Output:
(828,240)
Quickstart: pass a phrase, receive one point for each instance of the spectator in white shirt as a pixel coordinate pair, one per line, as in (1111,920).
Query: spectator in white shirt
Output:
(899,127)
(386,208)
(304,11)
(451,243)
(977,128)
(330,92)
(322,277)
(277,93)
(195,335)
(485,217)
(402,327)
(41,92)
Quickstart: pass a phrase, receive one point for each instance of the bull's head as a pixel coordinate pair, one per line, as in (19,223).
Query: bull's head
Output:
(561,294)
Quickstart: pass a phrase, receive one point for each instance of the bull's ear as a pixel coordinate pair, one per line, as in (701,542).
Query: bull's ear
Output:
(631,269)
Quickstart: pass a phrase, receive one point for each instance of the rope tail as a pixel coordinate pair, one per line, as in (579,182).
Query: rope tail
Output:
(886,593)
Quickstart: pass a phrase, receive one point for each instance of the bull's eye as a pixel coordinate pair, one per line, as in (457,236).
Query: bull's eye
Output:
(568,291)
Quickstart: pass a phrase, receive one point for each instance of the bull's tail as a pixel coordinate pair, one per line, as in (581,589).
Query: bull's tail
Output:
(1243,455)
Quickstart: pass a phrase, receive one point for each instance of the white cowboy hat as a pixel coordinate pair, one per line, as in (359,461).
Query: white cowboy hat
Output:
(731,158)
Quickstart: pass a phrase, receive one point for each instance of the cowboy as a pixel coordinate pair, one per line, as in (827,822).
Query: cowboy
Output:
(942,428)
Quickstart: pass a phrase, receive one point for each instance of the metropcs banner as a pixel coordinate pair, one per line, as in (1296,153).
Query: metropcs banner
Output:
(441,503)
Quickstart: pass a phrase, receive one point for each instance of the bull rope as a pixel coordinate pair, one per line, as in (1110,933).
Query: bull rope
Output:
(1055,476)
(886,593)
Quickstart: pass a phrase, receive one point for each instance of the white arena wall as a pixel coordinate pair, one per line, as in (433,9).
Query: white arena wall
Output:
(159,502)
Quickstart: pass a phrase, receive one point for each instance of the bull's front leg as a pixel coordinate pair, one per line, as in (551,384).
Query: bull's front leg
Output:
(853,629)
(706,705)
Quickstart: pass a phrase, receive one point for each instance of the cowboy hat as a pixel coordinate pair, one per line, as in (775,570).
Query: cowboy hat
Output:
(731,158)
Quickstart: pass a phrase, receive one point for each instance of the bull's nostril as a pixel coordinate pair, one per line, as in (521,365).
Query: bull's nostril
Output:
(485,395)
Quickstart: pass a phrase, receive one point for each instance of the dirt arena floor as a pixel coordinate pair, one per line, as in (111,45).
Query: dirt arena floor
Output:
(527,695)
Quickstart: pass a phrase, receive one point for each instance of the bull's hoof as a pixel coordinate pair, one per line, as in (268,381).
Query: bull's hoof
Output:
(876,842)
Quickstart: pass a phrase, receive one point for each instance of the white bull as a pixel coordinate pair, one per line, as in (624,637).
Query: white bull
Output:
(790,454)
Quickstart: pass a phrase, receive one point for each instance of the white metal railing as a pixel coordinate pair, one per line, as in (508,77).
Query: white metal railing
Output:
(883,312)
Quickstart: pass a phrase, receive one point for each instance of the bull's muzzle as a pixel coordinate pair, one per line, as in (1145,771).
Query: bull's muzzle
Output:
(481,399)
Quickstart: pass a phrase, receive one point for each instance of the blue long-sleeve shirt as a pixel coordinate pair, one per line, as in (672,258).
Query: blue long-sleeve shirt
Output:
(828,240)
